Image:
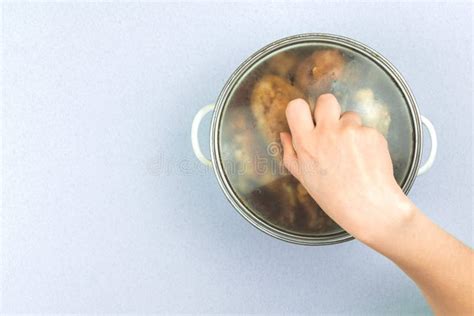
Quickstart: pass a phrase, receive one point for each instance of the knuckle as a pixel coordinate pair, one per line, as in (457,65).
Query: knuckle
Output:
(352,116)
(349,131)
(323,129)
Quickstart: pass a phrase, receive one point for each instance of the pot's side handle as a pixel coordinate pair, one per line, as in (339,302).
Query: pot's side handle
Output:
(434,145)
(194,133)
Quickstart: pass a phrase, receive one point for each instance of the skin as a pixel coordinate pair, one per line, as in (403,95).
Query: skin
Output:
(347,169)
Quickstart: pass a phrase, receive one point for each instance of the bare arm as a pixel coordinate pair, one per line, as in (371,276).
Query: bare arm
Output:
(439,264)
(347,169)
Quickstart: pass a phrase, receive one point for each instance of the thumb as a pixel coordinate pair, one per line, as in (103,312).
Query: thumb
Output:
(290,159)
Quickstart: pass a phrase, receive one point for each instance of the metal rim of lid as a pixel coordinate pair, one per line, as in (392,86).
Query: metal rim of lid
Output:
(254,59)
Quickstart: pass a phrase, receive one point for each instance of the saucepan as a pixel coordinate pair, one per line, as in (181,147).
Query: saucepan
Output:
(249,114)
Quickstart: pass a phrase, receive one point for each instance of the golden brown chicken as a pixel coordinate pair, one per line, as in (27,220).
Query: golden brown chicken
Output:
(274,194)
(283,65)
(285,203)
(315,75)
(268,102)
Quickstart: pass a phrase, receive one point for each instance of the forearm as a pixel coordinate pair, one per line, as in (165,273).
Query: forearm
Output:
(439,264)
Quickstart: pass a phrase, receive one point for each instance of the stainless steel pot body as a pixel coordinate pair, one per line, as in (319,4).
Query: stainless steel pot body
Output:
(221,103)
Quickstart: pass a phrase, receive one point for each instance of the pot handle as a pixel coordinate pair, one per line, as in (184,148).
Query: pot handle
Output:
(434,145)
(194,133)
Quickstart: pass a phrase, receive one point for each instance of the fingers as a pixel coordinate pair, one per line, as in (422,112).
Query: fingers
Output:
(327,111)
(350,119)
(299,118)
(289,155)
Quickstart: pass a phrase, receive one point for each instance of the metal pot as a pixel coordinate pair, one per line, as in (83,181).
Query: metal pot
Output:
(306,64)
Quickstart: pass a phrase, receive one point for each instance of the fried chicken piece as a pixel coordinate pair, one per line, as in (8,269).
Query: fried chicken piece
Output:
(286,203)
(283,64)
(315,75)
(372,111)
(309,207)
(316,219)
(268,102)
(276,201)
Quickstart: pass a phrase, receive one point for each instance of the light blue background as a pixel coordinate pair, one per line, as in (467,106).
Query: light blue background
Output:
(104,207)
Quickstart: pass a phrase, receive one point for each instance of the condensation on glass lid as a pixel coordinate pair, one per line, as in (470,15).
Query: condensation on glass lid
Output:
(254,116)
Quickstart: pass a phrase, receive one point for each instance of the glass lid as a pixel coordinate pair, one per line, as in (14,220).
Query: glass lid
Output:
(254,115)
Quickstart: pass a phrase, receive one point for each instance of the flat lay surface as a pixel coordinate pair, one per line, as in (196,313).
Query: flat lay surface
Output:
(106,209)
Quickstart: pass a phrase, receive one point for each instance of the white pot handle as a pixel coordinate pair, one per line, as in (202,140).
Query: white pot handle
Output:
(434,145)
(194,133)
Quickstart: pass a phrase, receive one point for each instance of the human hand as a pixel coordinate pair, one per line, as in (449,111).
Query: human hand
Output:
(346,168)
